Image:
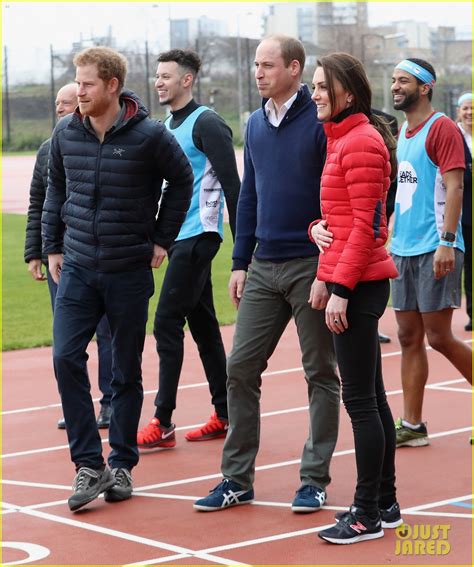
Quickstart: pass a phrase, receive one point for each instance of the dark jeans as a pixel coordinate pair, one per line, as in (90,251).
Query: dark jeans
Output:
(186,295)
(104,348)
(363,394)
(467,235)
(82,299)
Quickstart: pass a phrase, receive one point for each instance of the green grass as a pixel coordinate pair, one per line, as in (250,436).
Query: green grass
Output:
(19,153)
(26,134)
(27,319)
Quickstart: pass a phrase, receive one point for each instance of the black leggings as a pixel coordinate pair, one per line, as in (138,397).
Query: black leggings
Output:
(363,394)
(186,295)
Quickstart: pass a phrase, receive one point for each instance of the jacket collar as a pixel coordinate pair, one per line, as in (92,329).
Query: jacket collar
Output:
(302,99)
(133,108)
(340,129)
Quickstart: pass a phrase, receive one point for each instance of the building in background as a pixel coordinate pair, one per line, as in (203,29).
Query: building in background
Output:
(187,32)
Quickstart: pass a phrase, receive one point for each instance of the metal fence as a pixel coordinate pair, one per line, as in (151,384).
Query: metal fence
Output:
(225,83)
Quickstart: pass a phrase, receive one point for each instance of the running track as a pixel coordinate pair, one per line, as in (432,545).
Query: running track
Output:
(159,526)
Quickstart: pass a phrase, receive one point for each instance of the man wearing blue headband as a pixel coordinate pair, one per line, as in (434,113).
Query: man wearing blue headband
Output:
(427,244)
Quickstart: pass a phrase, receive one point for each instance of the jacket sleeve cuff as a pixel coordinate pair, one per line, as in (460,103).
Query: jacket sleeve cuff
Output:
(238,264)
(314,223)
(341,291)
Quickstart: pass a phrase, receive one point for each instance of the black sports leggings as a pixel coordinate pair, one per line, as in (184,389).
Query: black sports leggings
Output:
(363,394)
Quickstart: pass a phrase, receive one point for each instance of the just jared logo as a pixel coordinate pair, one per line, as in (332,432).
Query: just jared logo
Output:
(422,539)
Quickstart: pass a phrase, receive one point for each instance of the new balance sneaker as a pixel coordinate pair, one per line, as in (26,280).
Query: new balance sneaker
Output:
(391,517)
(408,437)
(308,499)
(215,428)
(156,435)
(353,526)
(226,494)
(88,484)
(122,489)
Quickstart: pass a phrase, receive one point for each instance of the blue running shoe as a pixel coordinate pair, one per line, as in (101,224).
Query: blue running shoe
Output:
(308,499)
(226,494)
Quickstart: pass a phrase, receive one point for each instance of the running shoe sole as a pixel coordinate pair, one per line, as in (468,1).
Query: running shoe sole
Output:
(421,442)
(209,437)
(76,505)
(214,509)
(356,539)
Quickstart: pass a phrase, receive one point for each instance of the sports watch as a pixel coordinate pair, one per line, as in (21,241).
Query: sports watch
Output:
(448,236)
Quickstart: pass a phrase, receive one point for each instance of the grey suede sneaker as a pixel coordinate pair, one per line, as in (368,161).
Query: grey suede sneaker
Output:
(88,484)
(122,489)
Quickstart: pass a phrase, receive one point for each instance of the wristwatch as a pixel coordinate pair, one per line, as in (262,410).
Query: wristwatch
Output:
(448,236)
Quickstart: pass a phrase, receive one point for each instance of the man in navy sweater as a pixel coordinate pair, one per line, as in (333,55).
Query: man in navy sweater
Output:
(283,159)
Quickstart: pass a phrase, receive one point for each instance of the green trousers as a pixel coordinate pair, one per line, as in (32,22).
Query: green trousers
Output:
(274,293)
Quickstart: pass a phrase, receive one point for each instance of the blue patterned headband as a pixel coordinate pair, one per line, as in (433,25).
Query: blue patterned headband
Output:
(464,98)
(417,71)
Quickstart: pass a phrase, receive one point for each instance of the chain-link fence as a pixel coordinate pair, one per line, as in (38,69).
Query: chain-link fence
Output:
(225,83)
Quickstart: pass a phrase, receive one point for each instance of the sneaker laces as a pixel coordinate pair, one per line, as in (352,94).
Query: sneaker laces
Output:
(122,477)
(221,487)
(84,475)
(312,491)
(348,518)
(308,489)
(214,424)
(151,430)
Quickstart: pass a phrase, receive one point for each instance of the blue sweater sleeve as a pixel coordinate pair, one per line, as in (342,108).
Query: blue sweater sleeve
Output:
(245,239)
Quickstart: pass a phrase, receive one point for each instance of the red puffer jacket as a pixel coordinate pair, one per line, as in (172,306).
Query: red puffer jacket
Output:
(354,186)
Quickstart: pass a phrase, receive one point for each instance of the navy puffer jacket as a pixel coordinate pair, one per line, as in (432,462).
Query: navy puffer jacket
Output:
(39,182)
(103,199)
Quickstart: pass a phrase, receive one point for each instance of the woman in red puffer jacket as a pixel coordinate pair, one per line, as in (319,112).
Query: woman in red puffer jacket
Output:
(356,267)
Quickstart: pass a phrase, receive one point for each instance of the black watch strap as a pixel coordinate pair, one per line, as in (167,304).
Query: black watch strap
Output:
(448,236)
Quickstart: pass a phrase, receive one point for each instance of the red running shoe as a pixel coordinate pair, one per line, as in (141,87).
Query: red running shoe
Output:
(155,435)
(215,428)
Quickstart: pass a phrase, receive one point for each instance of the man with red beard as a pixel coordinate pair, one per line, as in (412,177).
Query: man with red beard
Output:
(103,233)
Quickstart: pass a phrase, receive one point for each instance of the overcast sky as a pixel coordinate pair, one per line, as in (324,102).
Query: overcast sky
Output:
(30,27)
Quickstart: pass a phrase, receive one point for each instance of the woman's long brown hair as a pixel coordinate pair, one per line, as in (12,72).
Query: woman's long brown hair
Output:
(349,71)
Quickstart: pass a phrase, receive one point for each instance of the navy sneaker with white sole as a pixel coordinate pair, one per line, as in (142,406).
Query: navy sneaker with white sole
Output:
(391,517)
(353,526)
(308,499)
(226,494)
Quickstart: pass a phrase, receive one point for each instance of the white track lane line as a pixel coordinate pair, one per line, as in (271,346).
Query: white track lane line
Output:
(194,426)
(215,476)
(423,507)
(258,541)
(127,537)
(198,385)
(440,514)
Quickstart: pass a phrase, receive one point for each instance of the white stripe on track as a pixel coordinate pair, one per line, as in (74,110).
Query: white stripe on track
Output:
(423,507)
(205,555)
(194,426)
(197,385)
